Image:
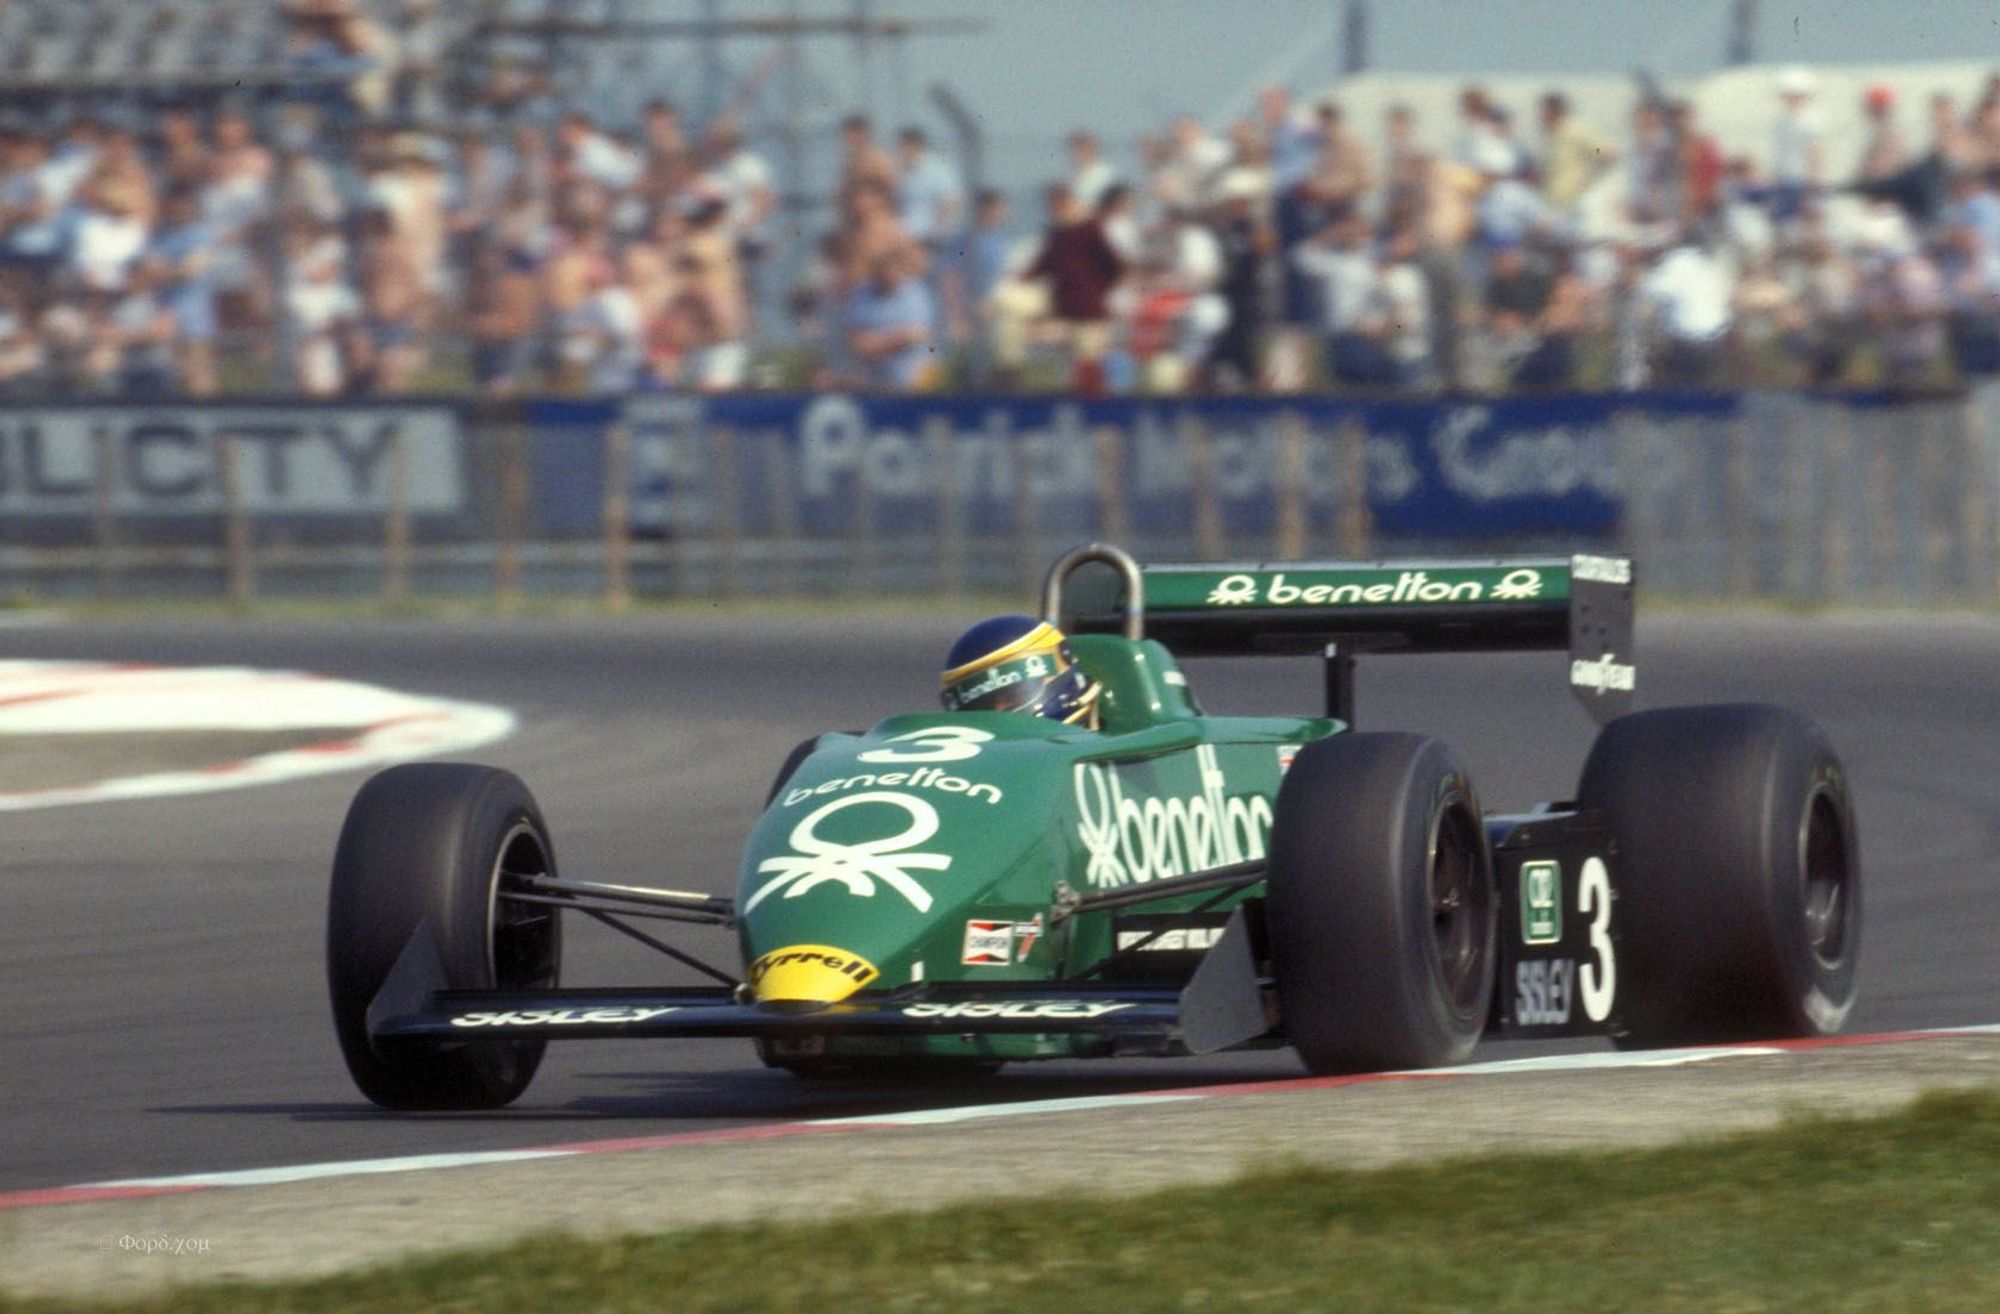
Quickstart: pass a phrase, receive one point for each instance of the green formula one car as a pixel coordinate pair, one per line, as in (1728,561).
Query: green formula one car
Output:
(965,888)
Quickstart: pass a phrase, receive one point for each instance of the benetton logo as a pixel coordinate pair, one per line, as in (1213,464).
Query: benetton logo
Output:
(1516,585)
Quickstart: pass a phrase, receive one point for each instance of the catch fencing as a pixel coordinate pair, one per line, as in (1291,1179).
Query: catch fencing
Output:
(1778,495)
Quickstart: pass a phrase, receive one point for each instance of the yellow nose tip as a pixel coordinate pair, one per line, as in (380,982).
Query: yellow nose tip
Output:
(809,973)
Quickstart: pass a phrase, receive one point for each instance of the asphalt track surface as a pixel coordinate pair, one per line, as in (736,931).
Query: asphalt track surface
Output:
(162,1007)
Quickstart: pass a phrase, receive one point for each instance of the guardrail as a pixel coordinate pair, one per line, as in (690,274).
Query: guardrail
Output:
(1734,495)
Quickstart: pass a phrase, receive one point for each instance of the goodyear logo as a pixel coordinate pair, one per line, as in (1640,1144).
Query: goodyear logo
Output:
(810,973)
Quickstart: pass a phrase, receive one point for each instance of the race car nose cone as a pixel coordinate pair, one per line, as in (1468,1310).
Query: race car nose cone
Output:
(809,973)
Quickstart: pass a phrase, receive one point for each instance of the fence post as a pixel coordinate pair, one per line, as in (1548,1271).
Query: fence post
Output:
(618,517)
(1291,482)
(396,524)
(238,568)
(513,509)
(1882,482)
(1837,567)
(861,531)
(103,519)
(1800,467)
(943,441)
(1351,452)
(1026,563)
(784,510)
(726,490)
(1736,506)
(1114,525)
(1979,512)
(1208,532)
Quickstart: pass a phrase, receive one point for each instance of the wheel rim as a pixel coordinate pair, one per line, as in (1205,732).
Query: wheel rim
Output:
(1828,876)
(520,937)
(1461,910)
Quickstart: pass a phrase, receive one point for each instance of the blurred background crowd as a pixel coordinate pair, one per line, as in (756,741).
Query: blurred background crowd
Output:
(352,228)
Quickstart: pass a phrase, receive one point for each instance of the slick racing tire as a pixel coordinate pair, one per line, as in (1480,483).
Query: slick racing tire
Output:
(429,846)
(1381,910)
(1737,873)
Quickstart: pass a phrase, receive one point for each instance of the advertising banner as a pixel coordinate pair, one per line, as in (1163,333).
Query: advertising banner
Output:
(1451,469)
(152,462)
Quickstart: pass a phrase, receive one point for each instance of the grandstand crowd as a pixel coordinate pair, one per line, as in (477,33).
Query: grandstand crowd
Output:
(314,247)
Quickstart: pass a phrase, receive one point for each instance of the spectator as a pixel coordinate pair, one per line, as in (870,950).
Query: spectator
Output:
(391,302)
(21,352)
(870,232)
(1090,174)
(750,200)
(609,322)
(865,166)
(1402,311)
(1763,312)
(1191,261)
(1081,267)
(183,252)
(1886,152)
(588,154)
(1189,167)
(110,233)
(500,318)
(32,208)
(932,196)
(889,320)
(236,202)
(989,254)
(1905,302)
(1406,167)
(1828,294)
(326,319)
(1655,168)
(1701,163)
(1342,261)
(183,154)
(1517,296)
(1573,157)
(1797,153)
(135,354)
(1343,173)
(1290,138)
(1246,243)
(1688,292)
(1118,215)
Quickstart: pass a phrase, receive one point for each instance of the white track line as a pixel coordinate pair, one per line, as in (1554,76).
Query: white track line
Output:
(365,725)
(138,1187)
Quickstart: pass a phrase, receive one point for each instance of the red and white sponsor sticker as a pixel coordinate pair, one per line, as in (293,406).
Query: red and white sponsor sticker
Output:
(365,725)
(988,944)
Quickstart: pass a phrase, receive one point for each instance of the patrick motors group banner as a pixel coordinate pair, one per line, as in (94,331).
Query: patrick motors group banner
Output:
(1451,469)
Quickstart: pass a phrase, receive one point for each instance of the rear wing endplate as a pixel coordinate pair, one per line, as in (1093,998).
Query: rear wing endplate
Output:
(1342,609)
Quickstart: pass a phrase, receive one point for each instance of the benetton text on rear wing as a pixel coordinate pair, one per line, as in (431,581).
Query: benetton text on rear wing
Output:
(1582,604)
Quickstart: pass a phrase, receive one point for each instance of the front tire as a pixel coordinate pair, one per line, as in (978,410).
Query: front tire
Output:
(429,846)
(1381,909)
(1737,872)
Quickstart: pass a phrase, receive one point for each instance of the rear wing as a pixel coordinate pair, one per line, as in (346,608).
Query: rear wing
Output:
(1342,609)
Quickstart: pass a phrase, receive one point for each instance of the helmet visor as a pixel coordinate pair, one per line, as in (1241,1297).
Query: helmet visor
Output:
(1010,686)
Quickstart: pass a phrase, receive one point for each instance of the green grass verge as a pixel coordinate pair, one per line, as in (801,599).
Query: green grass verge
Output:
(1900,1212)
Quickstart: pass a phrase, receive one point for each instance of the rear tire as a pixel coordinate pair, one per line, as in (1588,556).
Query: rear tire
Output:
(429,845)
(1381,909)
(1737,873)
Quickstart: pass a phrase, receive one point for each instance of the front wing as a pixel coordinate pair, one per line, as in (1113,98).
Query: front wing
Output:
(1224,1004)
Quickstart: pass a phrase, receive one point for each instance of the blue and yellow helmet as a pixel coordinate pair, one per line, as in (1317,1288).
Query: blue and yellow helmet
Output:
(1018,664)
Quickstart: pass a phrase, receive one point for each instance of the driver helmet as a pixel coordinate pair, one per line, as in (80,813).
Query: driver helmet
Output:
(1019,664)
